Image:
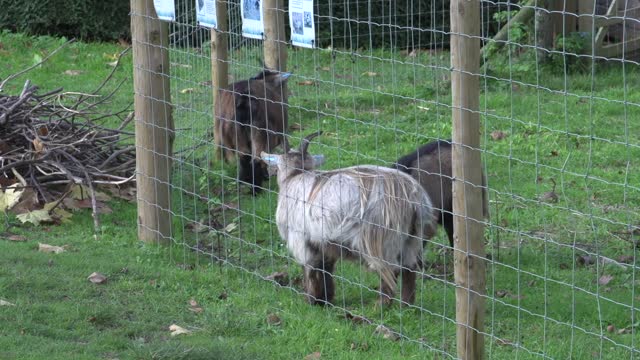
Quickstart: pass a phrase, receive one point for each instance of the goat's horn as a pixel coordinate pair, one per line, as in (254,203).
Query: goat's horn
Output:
(307,139)
(285,144)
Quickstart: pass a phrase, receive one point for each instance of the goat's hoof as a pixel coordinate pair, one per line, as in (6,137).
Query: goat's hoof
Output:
(317,301)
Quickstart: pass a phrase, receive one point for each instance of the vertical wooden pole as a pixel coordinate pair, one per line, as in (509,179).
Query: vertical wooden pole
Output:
(585,21)
(275,50)
(153,121)
(544,31)
(469,265)
(219,46)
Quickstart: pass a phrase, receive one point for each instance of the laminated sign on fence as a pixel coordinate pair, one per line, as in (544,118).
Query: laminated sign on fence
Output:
(166,9)
(252,23)
(206,13)
(301,22)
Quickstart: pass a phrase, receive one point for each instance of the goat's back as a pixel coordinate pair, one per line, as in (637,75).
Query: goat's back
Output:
(431,166)
(378,212)
(250,117)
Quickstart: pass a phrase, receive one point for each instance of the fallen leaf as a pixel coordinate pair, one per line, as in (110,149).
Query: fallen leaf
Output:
(187,90)
(585,260)
(357,319)
(624,331)
(10,197)
(197,227)
(73,72)
(35,217)
(280,277)
(229,228)
(502,293)
(97,278)
(498,135)
(605,279)
(113,63)
(58,212)
(531,283)
(313,356)
(81,192)
(306,83)
(386,333)
(177,330)
(325,68)
(6,303)
(193,306)
(37,59)
(28,202)
(503,342)
(46,248)
(38,145)
(17,238)
(423,108)
(370,73)
(273,319)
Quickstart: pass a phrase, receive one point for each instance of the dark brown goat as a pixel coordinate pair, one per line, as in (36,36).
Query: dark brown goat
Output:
(250,117)
(431,165)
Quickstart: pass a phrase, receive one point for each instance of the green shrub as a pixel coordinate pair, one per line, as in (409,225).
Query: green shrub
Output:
(83,19)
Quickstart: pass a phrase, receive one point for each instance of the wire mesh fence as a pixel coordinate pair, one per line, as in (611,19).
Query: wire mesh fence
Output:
(560,147)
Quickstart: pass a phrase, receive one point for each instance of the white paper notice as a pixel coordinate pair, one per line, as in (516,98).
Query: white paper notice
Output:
(252,24)
(166,9)
(303,30)
(206,13)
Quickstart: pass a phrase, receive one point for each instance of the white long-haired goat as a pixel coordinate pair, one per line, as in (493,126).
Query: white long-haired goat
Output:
(376,214)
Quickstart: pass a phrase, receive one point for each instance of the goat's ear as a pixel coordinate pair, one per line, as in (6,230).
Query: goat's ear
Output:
(281,78)
(318,160)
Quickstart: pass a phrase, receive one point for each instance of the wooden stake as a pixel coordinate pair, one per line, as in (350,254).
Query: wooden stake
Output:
(469,264)
(153,122)
(219,45)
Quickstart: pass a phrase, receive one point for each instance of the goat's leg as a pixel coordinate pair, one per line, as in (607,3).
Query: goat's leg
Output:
(408,286)
(447,222)
(319,282)
(260,175)
(244,169)
(387,291)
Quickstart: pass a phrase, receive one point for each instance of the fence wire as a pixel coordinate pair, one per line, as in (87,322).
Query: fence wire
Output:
(560,149)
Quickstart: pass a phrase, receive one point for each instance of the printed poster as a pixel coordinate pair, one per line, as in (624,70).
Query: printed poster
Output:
(303,32)
(206,13)
(166,9)
(252,22)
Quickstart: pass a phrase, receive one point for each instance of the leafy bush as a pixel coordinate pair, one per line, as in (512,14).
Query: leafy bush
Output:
(84,19)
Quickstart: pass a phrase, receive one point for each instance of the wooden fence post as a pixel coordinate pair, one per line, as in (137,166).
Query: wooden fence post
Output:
(275,49)
(219,45)
(469,263)
(153,122)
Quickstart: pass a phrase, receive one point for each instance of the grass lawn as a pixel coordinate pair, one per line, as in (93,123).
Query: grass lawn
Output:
(580,130)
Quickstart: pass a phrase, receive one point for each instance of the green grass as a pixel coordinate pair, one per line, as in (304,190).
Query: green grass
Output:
(573,130)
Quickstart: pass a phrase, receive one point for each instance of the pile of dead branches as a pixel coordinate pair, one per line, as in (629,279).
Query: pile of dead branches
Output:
(52,141)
